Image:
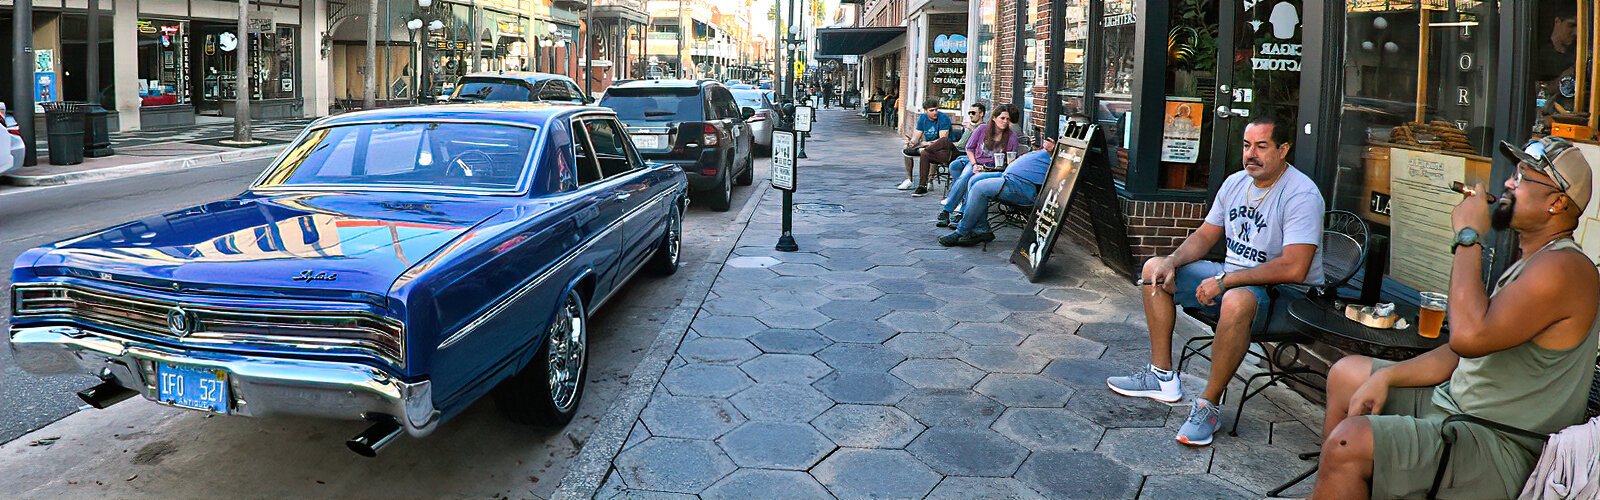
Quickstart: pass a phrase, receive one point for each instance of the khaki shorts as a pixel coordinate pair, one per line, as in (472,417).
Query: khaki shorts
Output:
(1407,448)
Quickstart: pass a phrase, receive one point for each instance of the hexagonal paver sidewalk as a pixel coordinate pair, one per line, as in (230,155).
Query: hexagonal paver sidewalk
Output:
(877,364)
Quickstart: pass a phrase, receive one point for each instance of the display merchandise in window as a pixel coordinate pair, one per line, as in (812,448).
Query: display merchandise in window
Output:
(163,63)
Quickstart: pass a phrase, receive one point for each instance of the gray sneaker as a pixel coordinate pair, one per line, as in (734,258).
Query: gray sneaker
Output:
(1204,420)
(1146,384)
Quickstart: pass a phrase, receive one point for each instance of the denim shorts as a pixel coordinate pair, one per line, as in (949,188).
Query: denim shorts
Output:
(1189,279)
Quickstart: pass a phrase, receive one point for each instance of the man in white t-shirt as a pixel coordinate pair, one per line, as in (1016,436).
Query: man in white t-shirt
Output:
(1271,216)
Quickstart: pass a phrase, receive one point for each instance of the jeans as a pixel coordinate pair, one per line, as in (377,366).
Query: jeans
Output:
(1013,190)
(959,186)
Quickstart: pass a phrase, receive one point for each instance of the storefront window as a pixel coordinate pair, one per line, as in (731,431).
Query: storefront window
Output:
(274,60)
(1417,104)
(985,47)
(1072,53)
(1564,81)
(947,59)
(163,63)
(1116,91)
(1191,91)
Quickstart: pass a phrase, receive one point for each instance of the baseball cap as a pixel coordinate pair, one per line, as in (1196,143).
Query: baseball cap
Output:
(1563,162)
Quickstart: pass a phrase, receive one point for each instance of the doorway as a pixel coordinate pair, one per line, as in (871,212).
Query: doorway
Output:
(1259,62)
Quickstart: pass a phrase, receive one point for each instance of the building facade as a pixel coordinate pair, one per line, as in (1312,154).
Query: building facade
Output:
(172,63)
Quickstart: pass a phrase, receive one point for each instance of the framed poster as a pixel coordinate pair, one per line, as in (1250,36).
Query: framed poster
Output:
(783,152)
(1050,207)
(802,118)
(44,86)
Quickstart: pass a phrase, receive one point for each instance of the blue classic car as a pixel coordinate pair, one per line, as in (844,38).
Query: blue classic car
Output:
(391,266)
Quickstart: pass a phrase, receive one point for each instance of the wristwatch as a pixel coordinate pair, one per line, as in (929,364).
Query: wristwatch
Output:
(1219,277)
(1465,238)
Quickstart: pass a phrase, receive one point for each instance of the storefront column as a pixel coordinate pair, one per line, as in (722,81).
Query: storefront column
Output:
(125,47)
(316,86)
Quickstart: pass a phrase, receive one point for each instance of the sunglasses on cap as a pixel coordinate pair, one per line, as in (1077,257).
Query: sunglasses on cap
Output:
(1536,156)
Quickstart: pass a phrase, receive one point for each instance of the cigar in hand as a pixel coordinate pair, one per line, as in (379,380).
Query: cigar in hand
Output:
(1462,188)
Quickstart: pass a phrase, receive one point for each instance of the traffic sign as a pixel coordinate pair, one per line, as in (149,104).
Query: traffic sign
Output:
(799,67)
(783,153)
(802,118)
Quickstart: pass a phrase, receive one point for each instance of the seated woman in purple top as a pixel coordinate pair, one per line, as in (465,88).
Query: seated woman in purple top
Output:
(997,136)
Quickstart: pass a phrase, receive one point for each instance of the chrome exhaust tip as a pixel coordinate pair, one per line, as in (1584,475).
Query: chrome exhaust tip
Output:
(106,394)
(382,432)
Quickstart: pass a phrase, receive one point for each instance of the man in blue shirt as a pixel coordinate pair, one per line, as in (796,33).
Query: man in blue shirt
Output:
(931,143)
(1019,184)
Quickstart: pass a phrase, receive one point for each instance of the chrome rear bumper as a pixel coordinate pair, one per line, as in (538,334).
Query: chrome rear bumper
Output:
(259,386)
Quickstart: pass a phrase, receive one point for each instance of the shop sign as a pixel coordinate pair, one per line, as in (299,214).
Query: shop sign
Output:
(146,27)
(1379,203)
(1119,20)
(1180,137)
(260,22)
(1394,5)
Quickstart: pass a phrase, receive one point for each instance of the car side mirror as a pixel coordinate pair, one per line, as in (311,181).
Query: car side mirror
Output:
(747,112)
(588,100)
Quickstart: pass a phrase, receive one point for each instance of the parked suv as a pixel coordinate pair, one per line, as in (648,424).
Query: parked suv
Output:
(696,125)
(503,86)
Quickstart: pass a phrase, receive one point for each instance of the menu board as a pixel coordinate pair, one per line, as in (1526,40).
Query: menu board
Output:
(1420,205)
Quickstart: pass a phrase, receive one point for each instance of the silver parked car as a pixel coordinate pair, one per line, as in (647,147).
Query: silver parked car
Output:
(14,144)
(764,119)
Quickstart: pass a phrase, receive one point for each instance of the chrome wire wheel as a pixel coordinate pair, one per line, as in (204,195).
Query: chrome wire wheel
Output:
(674,237)
(567,345)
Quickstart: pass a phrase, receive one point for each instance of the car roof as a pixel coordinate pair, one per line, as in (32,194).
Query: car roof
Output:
(669,84)
(515,113)
(526,76)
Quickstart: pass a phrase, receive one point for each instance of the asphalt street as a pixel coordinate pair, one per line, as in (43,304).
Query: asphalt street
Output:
(117,452)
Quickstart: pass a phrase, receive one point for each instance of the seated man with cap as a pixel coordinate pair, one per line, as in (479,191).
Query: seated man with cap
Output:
(1520,354)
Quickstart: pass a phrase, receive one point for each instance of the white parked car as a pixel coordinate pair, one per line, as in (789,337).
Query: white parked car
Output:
(13,142)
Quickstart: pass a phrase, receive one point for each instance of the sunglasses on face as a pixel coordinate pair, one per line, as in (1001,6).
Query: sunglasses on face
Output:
(972,113)
(1522,168)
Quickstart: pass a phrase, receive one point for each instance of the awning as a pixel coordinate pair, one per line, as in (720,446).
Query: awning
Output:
(854,41)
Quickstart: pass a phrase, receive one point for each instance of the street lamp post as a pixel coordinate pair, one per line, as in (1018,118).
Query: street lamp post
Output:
(420,48)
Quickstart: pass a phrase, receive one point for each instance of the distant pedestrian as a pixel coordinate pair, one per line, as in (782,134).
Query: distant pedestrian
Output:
(827,94)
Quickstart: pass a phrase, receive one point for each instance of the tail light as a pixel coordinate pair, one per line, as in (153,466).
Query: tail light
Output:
(16,131)
(711,135)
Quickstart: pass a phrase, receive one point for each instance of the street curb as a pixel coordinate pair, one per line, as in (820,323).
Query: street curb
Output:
(589,469)
(167,165)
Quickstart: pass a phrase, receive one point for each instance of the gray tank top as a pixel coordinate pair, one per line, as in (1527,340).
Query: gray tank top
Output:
(1527,386)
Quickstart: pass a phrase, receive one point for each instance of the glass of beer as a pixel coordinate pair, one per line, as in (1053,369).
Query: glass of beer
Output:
(1431,317)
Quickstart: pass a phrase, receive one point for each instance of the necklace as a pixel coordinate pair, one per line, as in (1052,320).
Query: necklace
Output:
(1255,203)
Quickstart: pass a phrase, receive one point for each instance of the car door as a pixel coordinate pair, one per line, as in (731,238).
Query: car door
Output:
(631,189)
(599,218)
(737,127)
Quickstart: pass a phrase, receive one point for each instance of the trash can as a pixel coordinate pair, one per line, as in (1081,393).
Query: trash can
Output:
(96,131)
(64,125)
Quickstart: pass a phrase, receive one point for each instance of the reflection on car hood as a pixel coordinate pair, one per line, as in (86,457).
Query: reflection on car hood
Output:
(333,245)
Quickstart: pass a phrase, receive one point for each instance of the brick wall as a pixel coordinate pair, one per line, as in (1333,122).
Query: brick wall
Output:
(1005,50)
(1158,227)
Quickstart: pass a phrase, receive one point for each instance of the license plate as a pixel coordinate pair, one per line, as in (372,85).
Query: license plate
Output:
(192,387)
(649,141)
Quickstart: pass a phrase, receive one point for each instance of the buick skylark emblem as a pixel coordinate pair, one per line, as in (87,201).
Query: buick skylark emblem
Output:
(179,321)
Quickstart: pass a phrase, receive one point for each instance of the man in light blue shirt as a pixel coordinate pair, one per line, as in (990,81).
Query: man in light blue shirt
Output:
(1019,184)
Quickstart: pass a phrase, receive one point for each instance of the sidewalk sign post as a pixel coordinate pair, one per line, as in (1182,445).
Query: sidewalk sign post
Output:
(783,179)
(1050,205)
(802,123)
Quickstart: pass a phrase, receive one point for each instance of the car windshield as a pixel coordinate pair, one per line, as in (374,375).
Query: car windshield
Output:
(423,155)
(655,104)
(491,91)
(750,99)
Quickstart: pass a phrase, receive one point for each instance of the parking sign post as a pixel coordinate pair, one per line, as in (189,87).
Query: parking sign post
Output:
(802,123)
(783,179)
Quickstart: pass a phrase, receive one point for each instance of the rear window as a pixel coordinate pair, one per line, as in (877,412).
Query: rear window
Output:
(749,99)
(656,104)
(491,91)
(409,154)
